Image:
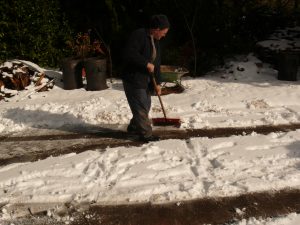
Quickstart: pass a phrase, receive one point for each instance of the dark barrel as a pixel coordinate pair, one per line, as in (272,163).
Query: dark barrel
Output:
(288,65)
(95,74)
(72,73)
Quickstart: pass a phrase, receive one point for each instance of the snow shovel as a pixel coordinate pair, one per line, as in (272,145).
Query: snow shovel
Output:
(163,121)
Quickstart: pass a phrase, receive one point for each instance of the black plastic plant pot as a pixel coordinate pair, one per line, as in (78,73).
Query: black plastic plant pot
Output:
(288,65)
(95,69)
(72,73)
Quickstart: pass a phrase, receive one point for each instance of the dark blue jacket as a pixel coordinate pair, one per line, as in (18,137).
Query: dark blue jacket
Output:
(136,54)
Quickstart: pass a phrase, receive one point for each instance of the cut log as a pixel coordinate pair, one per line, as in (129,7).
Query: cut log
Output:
(1,85)
(46,86)
(39,81)
(17,75)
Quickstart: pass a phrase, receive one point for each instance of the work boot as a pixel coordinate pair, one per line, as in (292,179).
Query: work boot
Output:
(149,138)
(132,130)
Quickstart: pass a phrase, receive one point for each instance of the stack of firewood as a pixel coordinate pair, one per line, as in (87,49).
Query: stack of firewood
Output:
(17,76)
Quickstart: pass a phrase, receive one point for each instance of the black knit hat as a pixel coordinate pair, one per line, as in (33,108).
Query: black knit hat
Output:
(159,21)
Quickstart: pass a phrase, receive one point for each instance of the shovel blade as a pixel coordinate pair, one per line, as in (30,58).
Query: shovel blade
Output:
(166,122)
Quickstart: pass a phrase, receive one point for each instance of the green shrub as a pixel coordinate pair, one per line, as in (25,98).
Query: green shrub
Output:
(33,30)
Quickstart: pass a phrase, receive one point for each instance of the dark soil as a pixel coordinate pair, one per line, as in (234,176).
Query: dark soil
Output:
(215,211)
(203,211)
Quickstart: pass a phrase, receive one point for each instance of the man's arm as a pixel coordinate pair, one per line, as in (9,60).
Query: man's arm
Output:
(134,46)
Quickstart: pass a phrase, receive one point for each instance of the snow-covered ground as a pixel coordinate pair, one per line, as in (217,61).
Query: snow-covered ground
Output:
(244,93)
(291,219)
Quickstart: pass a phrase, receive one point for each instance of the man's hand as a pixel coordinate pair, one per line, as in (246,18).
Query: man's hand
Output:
(158,89)
(150,67)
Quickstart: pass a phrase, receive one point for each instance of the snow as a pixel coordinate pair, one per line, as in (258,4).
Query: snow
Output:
(291,219)
(228,98)
(286,39)
(169,170)
(243,93)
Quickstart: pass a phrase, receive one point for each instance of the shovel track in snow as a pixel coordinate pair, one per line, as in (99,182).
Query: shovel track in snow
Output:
(214,211)
(103,138)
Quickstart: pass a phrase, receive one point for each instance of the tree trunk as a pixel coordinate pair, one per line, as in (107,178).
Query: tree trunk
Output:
(190,27)
(296,4)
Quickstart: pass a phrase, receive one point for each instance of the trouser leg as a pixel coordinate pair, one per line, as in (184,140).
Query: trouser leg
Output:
(139,101)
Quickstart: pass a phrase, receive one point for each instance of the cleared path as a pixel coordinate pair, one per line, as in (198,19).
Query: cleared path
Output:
(37,145)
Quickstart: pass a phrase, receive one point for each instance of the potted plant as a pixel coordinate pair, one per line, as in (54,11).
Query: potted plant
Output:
(89,56)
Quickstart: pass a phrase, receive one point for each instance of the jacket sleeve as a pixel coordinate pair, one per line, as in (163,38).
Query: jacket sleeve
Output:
(133,50)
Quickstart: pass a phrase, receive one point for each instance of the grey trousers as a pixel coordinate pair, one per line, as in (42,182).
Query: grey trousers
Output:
(139,101)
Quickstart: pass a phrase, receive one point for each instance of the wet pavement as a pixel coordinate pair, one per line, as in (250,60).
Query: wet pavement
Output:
(214,211)
(39,144)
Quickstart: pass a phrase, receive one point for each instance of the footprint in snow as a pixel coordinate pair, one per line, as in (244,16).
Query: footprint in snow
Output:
(223,145)
(258,147)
